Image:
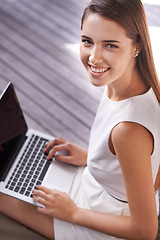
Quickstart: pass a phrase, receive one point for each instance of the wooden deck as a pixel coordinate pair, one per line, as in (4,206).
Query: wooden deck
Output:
(39,54)
(50,81)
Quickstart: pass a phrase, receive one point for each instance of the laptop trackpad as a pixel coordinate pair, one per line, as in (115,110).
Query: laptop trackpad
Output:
(60,176)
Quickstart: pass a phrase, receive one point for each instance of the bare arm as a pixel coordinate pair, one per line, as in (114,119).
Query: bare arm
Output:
(133,145)
(157,182)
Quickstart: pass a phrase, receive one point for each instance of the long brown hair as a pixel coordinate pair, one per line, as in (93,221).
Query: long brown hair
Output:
(132,17)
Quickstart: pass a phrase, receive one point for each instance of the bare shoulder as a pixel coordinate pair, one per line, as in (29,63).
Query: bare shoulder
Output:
(132,136)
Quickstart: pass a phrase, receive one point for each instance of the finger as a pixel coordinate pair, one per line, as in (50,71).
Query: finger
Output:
(40,200)
(41,194)
(43,189)
(49,144)
(53,142)
(57,148)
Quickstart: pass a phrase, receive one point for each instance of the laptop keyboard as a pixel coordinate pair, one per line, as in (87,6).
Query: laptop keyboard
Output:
(30,169)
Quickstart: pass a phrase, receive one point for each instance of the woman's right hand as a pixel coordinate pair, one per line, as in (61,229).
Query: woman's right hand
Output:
(76,154)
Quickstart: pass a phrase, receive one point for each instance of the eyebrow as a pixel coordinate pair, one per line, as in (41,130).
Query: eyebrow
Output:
(106,41)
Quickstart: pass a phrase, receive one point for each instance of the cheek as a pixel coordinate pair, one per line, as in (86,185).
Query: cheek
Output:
(111,58)
(84,55)
(81,53)
(116,60)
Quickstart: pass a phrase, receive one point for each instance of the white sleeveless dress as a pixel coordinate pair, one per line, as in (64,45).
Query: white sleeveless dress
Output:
(101,187)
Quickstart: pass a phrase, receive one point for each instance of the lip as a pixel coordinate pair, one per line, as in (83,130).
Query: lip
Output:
(101,70)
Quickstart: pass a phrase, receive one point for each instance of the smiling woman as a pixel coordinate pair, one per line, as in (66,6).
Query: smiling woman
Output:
(118,185)
(107,54)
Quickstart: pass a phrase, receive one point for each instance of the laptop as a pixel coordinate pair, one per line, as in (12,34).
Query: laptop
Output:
(23,164)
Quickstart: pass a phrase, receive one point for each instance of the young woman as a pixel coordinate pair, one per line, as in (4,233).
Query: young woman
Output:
(117,197)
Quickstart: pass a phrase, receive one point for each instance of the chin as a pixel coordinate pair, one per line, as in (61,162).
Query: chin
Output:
(97,82)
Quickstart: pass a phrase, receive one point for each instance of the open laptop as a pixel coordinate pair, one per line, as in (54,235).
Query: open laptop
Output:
(23,164)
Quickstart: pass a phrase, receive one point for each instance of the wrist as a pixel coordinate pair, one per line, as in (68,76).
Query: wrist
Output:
(79,216)
(76,216)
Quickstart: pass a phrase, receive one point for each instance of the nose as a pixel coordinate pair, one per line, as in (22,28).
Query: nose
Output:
(96,55)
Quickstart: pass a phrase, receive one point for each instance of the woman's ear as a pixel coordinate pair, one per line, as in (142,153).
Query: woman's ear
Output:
(138,49)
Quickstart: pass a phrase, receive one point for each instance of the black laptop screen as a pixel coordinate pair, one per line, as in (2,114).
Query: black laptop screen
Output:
(12,125)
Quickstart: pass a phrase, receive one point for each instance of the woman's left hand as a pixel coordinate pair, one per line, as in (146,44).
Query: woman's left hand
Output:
(56,203)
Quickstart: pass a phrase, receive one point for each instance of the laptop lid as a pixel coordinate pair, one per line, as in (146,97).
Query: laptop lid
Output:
(12,127)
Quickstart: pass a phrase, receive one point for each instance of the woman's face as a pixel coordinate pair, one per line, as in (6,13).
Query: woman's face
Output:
(106,52)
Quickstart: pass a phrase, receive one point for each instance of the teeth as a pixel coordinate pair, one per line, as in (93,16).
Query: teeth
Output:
(98,70)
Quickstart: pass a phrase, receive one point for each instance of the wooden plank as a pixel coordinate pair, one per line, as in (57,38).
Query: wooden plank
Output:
(40,36)
(22,52)
(59,95)
(27,61)
(69,68)
(41,92)
(44,58)
(36,116)
(54,16)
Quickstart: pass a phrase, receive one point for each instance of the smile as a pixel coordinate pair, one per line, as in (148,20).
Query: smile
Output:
(99,70)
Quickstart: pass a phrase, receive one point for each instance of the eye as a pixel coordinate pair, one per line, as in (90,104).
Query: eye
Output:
(111,46)
(86,42)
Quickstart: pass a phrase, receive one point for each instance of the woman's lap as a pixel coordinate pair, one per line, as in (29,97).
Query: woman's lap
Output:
(27,215)
(68,231)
